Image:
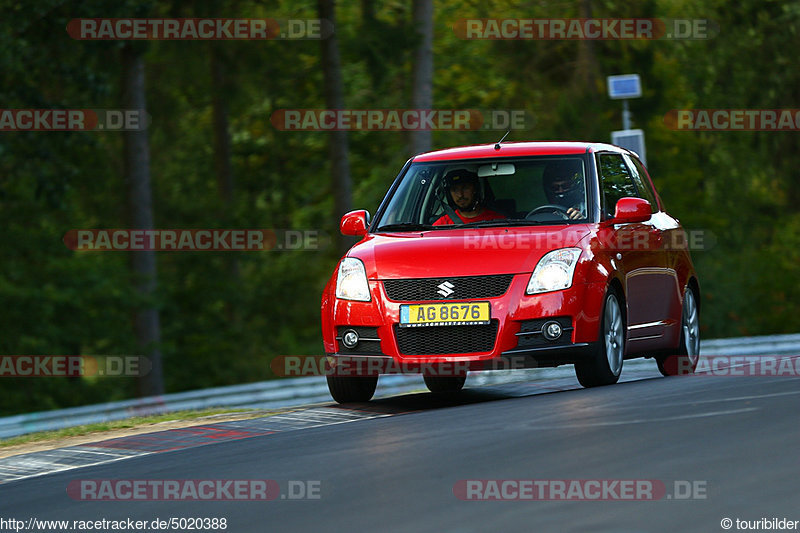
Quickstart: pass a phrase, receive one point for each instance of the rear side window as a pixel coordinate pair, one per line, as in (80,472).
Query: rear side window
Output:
(616,181)
(641,181)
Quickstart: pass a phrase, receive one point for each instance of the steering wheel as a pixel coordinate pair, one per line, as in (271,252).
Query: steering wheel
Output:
(555,208)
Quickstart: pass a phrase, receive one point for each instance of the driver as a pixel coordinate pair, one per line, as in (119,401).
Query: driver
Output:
(563,185)
(464,190)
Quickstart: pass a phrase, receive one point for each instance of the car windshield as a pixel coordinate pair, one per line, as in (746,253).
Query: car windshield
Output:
(502,192)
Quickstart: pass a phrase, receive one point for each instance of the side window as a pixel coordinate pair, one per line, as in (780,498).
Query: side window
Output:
(616,181)
(641,181)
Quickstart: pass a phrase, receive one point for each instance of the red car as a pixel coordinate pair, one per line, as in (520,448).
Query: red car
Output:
(524,254)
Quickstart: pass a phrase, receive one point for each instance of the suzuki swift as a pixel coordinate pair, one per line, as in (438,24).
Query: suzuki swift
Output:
(512,255)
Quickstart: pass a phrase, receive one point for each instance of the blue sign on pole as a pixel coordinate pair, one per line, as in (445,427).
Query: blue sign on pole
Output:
(624,86)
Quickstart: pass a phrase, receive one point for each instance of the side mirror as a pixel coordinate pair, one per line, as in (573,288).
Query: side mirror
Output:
(631,209)
(355,223)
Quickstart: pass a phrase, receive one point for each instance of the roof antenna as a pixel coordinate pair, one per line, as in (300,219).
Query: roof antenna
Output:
(497,145)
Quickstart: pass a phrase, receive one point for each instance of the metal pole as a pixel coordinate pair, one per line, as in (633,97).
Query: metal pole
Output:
(626,115)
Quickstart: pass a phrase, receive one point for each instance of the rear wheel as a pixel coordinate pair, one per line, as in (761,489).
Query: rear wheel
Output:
(685,361)
(605,364)
(349,389)
(441,384)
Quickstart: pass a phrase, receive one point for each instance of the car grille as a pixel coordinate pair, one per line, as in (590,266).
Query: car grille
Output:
(433,340)
(465,288)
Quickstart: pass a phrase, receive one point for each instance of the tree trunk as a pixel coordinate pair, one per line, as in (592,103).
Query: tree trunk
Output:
(338,146)
(586,73)
(136,155)
(369,43)
(222,140)
(422,91)
(222,151)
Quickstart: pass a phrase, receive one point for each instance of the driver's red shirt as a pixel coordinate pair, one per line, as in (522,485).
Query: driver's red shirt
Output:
(486,214)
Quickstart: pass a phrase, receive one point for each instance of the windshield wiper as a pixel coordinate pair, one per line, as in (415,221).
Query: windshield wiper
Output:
(405,226)
(503,222)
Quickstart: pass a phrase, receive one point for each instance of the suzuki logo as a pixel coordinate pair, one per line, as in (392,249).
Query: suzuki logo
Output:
(445,289)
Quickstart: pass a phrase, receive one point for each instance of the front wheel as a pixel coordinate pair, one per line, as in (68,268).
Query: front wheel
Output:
(448,384)
(605,364)
(685,361)
(349,389)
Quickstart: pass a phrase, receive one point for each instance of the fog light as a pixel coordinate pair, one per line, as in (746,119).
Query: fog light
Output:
(350,338)
(551,330)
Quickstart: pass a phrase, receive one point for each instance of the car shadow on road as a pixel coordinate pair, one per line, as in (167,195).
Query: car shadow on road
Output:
(427,401)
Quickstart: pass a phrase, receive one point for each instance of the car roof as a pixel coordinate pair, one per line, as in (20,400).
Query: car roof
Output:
(518,149)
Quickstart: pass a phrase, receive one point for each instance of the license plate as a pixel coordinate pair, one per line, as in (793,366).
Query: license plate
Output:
(449,314)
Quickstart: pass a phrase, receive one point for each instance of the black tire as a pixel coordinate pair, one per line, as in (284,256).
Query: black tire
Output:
(684,362)
(350,389)
(600,368)
(444,385)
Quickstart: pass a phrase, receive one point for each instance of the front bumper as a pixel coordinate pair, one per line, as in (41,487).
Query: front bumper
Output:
(514,332)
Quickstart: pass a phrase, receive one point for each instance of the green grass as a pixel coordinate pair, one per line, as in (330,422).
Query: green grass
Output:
(127,423)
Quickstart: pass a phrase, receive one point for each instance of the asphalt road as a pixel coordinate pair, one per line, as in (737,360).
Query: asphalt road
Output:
(735,439)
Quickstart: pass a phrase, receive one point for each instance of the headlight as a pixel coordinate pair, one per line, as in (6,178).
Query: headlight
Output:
(554,271)
(351,282)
